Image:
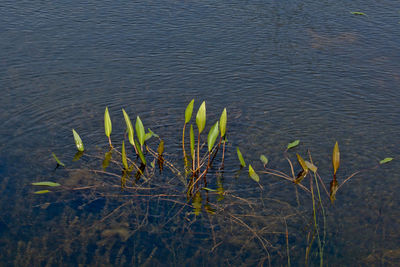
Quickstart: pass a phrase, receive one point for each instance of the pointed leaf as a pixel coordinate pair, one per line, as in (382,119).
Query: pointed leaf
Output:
(222,123)
(124,159)
(385,160)
(191,141)
(293,144)
(107,123)
(57,160)
(201,117)
(264,160)
(311,166)
(140,130)
(129,127)
(253,175)
(209,189)
(160,149)
(142,158)
(302,162)
(335,158)
(189,111)
(42,192)
(152,133)
(212,136)
(147,136)
(240,157)
(51,184)
(358,13)
(78,141)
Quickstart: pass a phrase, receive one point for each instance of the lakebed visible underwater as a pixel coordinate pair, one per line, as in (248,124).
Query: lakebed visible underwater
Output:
(301,70)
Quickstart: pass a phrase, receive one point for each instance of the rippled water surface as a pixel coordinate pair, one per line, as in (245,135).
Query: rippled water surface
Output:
(285,70)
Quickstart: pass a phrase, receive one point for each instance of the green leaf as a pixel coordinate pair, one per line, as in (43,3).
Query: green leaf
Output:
(302,162)
(124,159)
(209,189)
(107,123)
(141,156)
(212,136)
(140,131)
(358,13)
(152,133)
(189,111)
(253,175)
(191,141)
(240,156)
(129,127)
(222,123)
(201,117)
(57,160)
(264,160)
(42,192)
(311,166)
(78,141)
(385,160)
(335,158)
(293,144)
(52,184)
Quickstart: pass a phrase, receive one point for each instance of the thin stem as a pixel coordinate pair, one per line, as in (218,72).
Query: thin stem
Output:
(183,145)
(198,152)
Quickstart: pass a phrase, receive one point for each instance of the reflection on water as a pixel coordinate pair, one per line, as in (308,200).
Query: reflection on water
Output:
(307,70)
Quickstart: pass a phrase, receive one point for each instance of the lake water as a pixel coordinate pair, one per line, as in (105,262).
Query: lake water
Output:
(285,70)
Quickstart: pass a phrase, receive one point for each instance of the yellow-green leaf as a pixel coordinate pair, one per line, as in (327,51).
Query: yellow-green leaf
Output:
(302,162)
(264,160)
(107,123)
(141,156)
(124,159)
(222,123)
(78,141)
(253,175)
(335,158)
(57,160)
(311,166)
(212,136)
(140,130)
(240,157)
(42,192)
(293,144)
(201,117)
(385,160)
(51,184)
(358,13)
(129,127)
(189,111)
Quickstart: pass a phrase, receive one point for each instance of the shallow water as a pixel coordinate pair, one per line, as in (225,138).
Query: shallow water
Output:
(307,70)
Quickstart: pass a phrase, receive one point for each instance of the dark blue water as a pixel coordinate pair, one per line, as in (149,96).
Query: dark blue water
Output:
(307,70)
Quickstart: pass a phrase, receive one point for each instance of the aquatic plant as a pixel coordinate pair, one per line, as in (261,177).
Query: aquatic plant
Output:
(136,172)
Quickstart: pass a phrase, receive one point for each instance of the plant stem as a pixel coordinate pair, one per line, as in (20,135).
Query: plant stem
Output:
(183,145)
